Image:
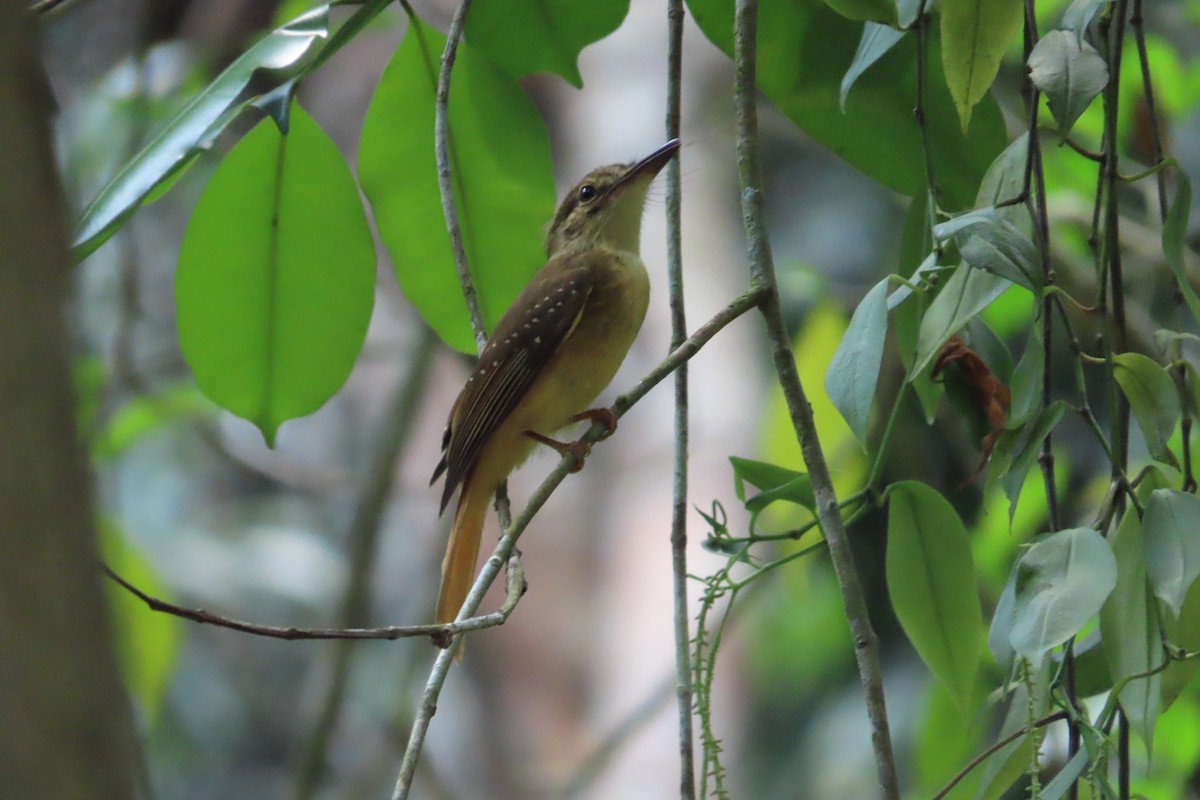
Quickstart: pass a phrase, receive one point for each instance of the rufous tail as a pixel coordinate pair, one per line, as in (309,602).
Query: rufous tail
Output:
(462,551)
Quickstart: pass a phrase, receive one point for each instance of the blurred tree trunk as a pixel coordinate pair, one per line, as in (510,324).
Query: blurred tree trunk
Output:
(65,727)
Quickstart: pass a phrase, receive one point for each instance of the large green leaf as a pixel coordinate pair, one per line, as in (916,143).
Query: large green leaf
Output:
(854,369)
(876,40)
(1070,72)
(1129,627)
(805,49)
(931,582)
(276,276)
(1062,581)
(280,52)
(1152,397)
(878,11)
(975,34)
(1172,545)
(500,157)
(528,36)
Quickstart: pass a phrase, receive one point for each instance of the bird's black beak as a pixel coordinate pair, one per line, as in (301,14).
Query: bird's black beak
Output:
(650,165)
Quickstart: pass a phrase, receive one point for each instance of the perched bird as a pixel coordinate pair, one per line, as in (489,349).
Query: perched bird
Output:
(554,350)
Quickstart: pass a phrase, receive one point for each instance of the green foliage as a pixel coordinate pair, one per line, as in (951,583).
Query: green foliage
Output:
(276,276)
(1152,396)
(1070,72)
(1172,548)
(546,36)
(504,184)
(932,585)
(975,35)
(854,369)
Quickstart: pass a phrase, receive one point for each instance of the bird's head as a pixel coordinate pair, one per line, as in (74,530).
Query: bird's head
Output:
(605,208)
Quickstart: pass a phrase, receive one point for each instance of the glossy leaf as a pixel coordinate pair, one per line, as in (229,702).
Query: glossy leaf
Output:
(975,34)
(1172,545)
(1174,229)
(876,40)
(501,164)
(1129,627)
(527,36)
(854,369)
(276,276)
(931,582)
(1014,479)
(1062,581)
(1152,397)
(968,292)
(1069,72)
(174,147)
(804,50)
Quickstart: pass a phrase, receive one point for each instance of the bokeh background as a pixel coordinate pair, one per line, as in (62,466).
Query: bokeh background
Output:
(572,697)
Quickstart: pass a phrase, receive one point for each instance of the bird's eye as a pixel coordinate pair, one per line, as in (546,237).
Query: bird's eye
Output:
(587,193)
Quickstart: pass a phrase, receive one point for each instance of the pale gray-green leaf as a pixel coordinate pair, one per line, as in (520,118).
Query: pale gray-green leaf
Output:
(1172,537)
(854,368)
(1070,72)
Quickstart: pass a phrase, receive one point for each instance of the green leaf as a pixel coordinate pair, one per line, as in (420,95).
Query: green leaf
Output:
(1172,546)
(1182,630)
(1000,248)
(147,643)
(281,52)
(1129,626)
(1173,232)
(931,582)
(804,50)
(854,369)
(1152,397)
(775,483)
(968,292)
(276,276)
(1062,581)
(883,11)
(1079,15)
(501,164)
(1005,181)
(1026,388)
(527,36)
(1070,72)
(1014,479)
(1066,776)
(999,639)
(876,40)
(975,34)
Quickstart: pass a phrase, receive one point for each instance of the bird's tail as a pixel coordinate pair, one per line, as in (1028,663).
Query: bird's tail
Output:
(462,551)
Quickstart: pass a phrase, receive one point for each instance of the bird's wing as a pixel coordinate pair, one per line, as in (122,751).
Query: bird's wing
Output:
(527,336)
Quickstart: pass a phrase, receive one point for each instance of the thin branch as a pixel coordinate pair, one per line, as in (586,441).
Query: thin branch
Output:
(363,541)
(762,270)
(1139,37)
(1012,737)
(441,138)
(679,504)
(438,633)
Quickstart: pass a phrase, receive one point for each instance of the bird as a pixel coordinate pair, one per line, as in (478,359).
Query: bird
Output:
(551,354)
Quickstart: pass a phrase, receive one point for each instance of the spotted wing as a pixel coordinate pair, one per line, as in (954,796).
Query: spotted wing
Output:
(527,336)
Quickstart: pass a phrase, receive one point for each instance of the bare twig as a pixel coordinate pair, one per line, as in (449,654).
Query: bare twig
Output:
(679,506)
(866,649)
(363,539)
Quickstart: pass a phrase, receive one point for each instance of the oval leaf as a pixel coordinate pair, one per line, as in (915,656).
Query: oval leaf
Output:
(931,582)
(1152,397)
(501,163)
(1070,72)
(975,34)
(1062,581)
(276,276)
(1129,627)
(1172,544)
(968,292)
(854,369)
(528,36)
(205,115)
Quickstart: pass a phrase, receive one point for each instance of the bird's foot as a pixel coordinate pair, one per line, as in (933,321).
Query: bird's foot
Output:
(579,450)
(605,416)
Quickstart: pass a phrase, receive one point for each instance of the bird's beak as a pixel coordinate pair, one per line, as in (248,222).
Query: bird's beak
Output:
(649,166)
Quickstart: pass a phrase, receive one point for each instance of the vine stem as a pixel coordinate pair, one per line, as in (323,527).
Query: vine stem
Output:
(762,271)
(679,505)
